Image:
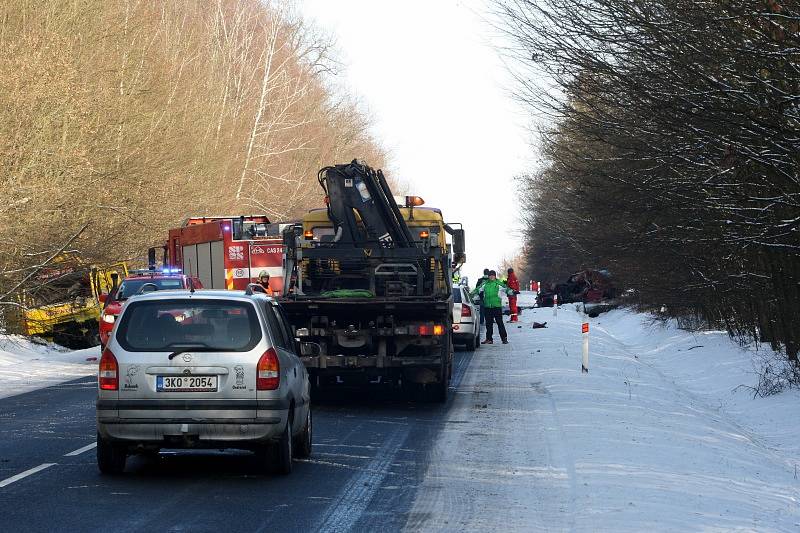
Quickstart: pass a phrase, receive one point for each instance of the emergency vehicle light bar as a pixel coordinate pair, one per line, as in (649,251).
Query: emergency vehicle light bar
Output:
(166,270)
(191,221)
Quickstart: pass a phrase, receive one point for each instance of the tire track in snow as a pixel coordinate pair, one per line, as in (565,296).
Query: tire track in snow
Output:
(480,473)
(443,506)
(561,453)
(461,365)
(346,510)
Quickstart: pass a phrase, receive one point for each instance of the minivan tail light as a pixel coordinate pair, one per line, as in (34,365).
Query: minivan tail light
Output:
(268,372)
(465,310)
(108,373)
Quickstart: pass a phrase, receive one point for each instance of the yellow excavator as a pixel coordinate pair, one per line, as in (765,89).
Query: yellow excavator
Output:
(66,301)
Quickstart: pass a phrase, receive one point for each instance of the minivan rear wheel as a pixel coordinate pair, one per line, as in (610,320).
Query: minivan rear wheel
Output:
(111,457)
(283,451)
(302,444)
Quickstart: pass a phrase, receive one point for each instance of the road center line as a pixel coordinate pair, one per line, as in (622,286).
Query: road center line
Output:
(21,475)
(81,450)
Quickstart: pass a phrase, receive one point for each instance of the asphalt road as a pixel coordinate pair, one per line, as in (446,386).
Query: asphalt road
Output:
(370,456)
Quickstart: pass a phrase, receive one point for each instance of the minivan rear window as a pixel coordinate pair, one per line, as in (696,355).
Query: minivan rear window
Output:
(189,324)
(457,296)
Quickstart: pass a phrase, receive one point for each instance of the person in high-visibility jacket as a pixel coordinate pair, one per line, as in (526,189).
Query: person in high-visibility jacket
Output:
(481,281)
(493,306)
(263,280)
(513,285)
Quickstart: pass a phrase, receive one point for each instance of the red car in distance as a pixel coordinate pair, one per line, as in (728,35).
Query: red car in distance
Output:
(144,281)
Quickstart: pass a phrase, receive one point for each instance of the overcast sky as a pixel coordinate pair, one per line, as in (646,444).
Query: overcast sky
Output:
(439,94)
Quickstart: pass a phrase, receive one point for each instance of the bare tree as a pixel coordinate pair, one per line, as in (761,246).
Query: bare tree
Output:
(671,150)
(130,116)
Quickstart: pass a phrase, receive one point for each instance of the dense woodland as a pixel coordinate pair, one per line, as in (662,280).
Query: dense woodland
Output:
(671,153)
(669,129)
(118,119)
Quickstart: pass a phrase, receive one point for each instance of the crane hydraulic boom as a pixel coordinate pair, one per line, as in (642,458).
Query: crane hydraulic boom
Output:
(357,187)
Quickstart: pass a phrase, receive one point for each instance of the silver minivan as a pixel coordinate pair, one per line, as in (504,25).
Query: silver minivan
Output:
(202,369)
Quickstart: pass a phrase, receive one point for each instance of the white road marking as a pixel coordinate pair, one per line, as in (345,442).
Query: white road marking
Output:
(81,450)
(25,474)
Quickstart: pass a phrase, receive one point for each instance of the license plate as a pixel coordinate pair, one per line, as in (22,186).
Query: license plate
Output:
(186,383)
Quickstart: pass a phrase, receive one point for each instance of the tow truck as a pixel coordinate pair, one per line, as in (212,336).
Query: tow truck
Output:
(369,285)
(139,281)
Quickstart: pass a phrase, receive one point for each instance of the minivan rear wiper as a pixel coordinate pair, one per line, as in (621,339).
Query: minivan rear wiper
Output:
(183,348)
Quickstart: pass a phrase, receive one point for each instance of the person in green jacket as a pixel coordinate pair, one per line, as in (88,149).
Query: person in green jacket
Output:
(493,306)
(477,288)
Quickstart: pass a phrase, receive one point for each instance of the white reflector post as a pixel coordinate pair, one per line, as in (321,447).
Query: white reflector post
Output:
(555,305)
(585,363)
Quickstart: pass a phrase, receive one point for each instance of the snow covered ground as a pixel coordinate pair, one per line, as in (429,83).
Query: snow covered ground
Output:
(656,437)
(26,366)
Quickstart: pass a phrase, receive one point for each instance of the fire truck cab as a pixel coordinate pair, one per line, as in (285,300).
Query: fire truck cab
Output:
(228,252)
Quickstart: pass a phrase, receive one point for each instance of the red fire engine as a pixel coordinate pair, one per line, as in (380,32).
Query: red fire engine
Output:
(228,252)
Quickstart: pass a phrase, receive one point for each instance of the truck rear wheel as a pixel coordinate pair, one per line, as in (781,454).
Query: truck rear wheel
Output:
(441,388)
(318,392)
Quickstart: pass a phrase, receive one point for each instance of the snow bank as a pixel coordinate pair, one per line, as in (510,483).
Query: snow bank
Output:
(712,368)
(689,433)
(27,365)
(658,436)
